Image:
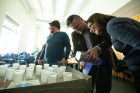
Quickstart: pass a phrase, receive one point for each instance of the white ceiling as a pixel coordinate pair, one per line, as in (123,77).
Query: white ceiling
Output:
(44,11)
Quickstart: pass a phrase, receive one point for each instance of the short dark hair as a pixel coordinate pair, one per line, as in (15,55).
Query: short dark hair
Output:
(56,23)
(71,18)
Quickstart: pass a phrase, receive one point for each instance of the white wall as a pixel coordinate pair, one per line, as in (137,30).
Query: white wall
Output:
(43,33)
(16,9)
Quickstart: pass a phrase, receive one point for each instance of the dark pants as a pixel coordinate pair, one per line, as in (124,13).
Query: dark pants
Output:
(136,75)
(101,76)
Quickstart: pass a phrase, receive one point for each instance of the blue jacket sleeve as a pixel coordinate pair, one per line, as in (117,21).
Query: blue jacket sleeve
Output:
(125,30)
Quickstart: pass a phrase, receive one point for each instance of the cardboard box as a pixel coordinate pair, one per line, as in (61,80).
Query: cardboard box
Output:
(80,83)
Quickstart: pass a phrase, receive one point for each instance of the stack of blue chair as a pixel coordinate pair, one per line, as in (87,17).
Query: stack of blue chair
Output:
(1,62)
(22,58)
(30,59)
(7,59)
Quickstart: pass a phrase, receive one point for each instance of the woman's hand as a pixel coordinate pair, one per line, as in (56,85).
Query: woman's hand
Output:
(82,65)
(93,54)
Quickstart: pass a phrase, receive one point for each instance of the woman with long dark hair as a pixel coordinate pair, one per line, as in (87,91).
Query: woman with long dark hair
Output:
(125,33)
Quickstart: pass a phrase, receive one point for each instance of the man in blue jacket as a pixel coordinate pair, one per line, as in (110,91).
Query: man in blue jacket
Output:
(56,42)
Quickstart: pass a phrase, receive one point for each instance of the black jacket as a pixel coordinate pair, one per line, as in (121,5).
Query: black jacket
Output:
(104,42)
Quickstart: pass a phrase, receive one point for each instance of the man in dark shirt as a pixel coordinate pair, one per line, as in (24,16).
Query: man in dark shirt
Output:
(55,45)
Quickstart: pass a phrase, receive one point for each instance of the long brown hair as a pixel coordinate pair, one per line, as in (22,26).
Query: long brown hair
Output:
(100,20)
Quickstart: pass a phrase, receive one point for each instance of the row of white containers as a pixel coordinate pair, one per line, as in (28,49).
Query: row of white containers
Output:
(48,74)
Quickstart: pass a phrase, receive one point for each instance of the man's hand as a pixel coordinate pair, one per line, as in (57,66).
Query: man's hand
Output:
(64,61)
(40,62)
(93,54)
(82,65)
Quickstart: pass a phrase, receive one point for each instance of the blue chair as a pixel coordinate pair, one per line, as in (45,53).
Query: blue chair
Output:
(21,56)
(2,63)
(16,56)
(32,54)
(28,54)
(13,57)
(4,56)
(21,59)
(7,59)
(120,67)
(30,60)
(0,58)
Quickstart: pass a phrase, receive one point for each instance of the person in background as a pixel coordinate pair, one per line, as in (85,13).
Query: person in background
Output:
(38,55)
(55,45)
(125,33)
(83,40)
(71,54)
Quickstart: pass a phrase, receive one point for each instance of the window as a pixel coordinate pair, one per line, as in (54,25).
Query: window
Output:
(30,43)
(8,35)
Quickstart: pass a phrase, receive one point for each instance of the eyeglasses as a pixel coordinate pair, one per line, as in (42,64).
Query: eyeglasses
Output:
(90,26)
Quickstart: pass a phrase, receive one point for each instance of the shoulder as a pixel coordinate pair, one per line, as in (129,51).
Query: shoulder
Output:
(73,34)
(118,20)
(49,35)
(62,33)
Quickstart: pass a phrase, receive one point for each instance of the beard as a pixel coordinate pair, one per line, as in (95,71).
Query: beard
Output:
(81,32)
(52,31)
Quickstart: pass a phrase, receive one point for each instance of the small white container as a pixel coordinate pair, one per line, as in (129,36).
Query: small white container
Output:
(64,67)
(29,72)
(32,65)
(18,75)
(38,69)
(52,77)
(46,65)
(16,65)
(67,76)
(22,67)
(44,75)
(60,72)
(10,73)
(50,69)
(3,69)
(55,68)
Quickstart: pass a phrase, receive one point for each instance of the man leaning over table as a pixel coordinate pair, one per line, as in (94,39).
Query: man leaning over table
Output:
(83,40)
